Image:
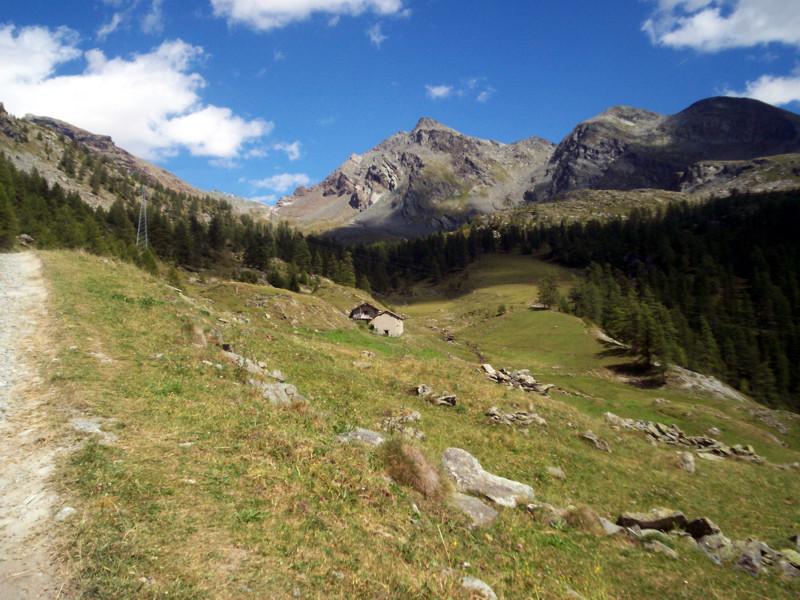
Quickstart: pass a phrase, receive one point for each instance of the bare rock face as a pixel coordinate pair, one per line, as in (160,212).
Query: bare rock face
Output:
(415,183)
(470,478)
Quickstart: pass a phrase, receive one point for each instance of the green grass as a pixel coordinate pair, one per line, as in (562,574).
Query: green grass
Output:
(210,492)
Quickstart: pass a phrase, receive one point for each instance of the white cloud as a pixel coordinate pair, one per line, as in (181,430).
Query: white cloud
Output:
(292,150)
(149,104)
(712,25)
(485,95)
(283,182)
(265,15)
(772,89)
(33,54)
(110,27)
(467,89)
(153,21)
(376,36)
(278,55)
(438,92)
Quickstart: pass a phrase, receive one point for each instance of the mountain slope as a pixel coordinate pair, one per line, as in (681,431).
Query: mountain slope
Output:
(42,143)
(626,148)
(418,182)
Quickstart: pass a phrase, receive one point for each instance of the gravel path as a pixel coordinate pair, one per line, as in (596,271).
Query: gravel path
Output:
(28,445)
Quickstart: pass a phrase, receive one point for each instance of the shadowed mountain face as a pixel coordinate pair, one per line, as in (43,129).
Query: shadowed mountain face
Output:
(418,182)
(626,148)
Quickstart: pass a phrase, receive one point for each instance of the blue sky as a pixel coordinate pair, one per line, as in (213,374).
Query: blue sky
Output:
(255,97)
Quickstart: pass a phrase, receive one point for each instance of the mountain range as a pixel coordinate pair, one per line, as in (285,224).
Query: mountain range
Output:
(435,178)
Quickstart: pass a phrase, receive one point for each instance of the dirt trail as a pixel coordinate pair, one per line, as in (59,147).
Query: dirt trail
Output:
(28,445)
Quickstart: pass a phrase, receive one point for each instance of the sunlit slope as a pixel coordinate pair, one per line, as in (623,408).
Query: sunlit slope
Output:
(210,491)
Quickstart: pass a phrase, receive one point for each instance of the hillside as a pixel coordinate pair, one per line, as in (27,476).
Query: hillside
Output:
(197,486)
(60,153)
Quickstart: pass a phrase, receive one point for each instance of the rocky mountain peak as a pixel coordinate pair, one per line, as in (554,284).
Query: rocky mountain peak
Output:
(428,124)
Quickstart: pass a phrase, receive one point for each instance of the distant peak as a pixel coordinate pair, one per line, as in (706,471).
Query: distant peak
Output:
(429,124)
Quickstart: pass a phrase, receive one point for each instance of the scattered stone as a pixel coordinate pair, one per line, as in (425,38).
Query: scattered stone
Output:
(672,434)
(609,527)
(519,417)
(469,477)
(656,546)
(786,467)
(362,365)
(598,443)
(400,425)
(557,473)
(769,418)
(371,438)
(64,513)
(91,426)
(714,431)
(701,527)
(517,379)
(548,514)
(482,514)
(279,394)
(660,401)
(687,462)
(662,519)
(368,354)
(423,390)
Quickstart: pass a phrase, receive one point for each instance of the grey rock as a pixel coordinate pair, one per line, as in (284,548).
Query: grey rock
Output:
(609,527)
(656,546)
(687,461)
(280,394)
(792,557)
(371,438)
(795,539)
(662,519)
(749,561)
(423,390)
(717,547)
(64,513)
(482,514)
(710,457)
(479,587)
(598,443)
(362,365)
(469,477)
(788,569)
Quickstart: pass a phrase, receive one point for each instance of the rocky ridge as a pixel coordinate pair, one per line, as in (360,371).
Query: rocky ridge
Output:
(415,183)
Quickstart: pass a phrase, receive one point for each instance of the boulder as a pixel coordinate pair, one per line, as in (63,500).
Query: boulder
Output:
(556,473)
(482,514)
(701,527)
(487,368)
(662,519)
(280,394)
(371,438)
(687,462)
(423,390)
(788,569)
(469,477)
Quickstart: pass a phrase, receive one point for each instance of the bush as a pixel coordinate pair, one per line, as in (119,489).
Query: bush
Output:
(407,465)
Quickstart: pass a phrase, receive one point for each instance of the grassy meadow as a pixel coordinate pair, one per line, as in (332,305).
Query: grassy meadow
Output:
(210,492)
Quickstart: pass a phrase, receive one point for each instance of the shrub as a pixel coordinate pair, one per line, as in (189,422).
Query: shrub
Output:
(407,465)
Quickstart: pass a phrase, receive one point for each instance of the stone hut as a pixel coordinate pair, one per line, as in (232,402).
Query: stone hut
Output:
(364,312)
(387,323)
